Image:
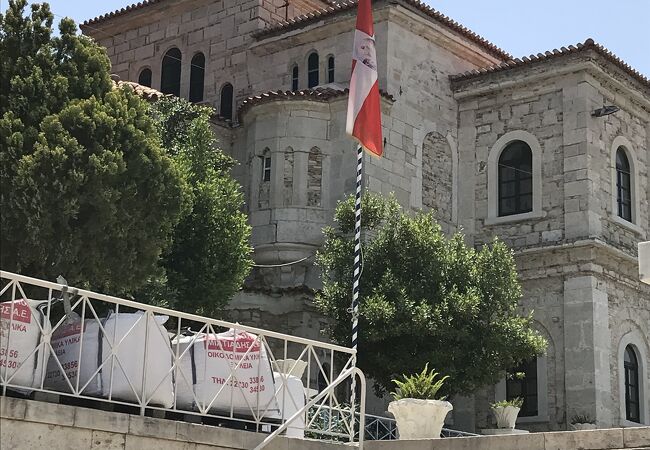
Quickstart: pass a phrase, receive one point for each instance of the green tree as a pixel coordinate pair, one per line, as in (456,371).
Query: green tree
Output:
(210,254)
(424,299)
(86,190)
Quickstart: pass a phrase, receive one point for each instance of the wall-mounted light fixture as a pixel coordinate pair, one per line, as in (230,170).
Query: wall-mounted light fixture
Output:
(605,111)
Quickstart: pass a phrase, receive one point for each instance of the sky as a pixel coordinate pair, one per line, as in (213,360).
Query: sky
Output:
(520,27)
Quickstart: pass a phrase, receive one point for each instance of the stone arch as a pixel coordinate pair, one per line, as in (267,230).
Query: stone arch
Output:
(437,177)
(288,177)
(632,335)
(314,177)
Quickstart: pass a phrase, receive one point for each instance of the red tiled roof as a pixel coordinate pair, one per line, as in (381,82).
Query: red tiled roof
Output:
(145,92)
(317,94)
(589,44)
(120,12)
(345,5)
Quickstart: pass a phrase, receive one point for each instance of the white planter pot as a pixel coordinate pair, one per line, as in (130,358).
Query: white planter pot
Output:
(506,416)
(583,426)
(419,419)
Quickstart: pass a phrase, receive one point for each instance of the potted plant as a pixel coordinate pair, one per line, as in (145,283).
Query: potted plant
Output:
(582,422)
(506,412)
(418,412)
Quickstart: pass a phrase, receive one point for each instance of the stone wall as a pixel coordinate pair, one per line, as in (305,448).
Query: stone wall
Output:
(37,425)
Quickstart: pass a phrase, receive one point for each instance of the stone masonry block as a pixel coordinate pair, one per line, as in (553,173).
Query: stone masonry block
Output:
(102,440)
(585,440)
(636,437)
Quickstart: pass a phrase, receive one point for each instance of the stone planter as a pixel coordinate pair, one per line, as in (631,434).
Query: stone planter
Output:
(583,426)
(419,419)
(506,416)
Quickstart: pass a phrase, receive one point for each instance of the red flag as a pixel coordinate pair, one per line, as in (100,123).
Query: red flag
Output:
(364,110)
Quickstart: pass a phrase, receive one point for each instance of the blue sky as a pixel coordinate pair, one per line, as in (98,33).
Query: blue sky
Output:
(520,27)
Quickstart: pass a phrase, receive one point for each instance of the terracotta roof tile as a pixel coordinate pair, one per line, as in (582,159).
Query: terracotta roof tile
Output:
(119,12)
(589,44)
(345,5)
(318,94)
(145,92)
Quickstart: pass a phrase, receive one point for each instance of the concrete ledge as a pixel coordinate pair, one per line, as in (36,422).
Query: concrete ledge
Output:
(38,425)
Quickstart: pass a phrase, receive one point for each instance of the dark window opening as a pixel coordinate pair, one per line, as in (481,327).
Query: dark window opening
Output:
(197,75)
(294,78)
(330,69)
(522,383)
(225,105)
(515,188)
(144,78)
(266,168)
(623,185)
(312,70)
(170,77)
(632,390)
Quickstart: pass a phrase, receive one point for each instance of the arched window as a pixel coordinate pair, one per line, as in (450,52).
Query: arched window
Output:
(632,390)
(197,75)
(623,185)
(144,78)
(266,166)
(294,78)
(312,70)
(515,189)
(225,104)
(330,69)
(522,383)
(170,78)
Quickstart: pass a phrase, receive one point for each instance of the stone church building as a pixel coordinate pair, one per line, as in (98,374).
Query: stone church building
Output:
(524,149)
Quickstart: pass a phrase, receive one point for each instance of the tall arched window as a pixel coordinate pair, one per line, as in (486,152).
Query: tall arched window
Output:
(197,75)
(170,78)
(225,104)
(330,69)
(515,189)
(294,78)
(632,390)
(623,185)
(312,70)
(144,78)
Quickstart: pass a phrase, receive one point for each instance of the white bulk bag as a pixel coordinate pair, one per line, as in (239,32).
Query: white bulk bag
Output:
(157,380)
(21,358)
(66,342)
(290,395)
(207,365)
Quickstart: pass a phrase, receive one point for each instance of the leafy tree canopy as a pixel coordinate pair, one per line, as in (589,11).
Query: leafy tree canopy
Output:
(86,190)
(210,254)
(424,299)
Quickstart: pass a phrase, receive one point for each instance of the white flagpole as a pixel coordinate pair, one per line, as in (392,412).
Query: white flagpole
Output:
(355,285)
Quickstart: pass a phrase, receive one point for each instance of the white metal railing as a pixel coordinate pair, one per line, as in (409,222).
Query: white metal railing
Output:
(77,343)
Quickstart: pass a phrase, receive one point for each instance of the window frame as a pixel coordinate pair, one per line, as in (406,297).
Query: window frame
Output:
(230,104)
(499,146)
(313,70)
(331,68)
(194,72)
(632,368)
(635,339)
(500,393)
(142,70)
(621,142)
(524,385)
(267,165)
(163,86)
(295,77)
(516,176)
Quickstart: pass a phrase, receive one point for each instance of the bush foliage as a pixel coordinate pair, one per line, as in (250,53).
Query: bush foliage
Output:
(424,299)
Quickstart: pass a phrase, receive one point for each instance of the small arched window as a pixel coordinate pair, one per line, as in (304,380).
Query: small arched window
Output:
(197,75)
(330,69)
(312,70)
(225,103)
(170,77)
(632,389)
(515,188)
(266,166)
(294,78)
(623,185)
(144,78)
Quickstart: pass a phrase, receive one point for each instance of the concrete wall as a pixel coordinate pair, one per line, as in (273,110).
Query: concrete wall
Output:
(35,425)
